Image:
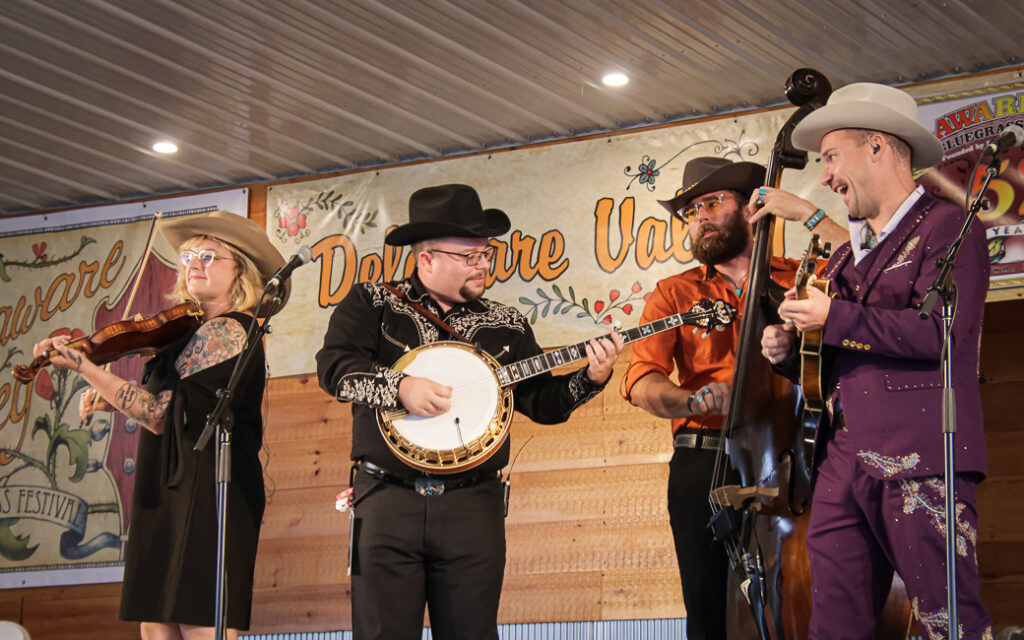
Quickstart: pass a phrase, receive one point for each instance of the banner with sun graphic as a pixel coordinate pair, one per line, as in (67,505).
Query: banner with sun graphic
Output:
(588,243)
(66,485)
(965,123)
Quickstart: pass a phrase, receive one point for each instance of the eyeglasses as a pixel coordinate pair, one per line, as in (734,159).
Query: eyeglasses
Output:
(711,204)
(206,257)
(469,259)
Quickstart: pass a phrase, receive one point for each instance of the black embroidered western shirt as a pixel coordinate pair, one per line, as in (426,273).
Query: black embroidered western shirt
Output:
(372,328)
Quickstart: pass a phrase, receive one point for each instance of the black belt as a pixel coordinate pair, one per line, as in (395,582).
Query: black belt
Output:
(688,438)
(425,485)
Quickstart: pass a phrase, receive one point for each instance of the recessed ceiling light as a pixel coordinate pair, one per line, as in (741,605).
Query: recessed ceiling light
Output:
(615,79)
(165,147)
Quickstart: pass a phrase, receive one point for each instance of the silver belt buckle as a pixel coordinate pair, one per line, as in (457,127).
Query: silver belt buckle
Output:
(429,486)
(685,440)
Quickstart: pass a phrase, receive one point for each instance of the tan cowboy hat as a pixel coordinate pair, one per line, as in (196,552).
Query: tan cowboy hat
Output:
(709,174)
(244,234)
(448,210)
(866,105)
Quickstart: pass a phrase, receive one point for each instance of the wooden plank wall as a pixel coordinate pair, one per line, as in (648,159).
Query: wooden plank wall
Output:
(588,534)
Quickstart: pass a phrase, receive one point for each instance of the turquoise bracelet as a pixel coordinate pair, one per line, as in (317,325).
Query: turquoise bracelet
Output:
(813,221)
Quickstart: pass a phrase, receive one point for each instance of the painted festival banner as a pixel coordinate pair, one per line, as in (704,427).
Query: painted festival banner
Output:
(588,243)
(65,486)
(964,124)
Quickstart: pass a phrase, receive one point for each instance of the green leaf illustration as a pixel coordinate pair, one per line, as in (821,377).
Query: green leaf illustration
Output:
(77,444)
(42,424)
(14,547)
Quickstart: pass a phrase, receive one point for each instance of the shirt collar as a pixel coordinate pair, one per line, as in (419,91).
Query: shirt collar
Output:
(859,229)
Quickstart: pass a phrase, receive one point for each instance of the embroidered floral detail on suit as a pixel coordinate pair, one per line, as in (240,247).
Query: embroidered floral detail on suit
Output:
(889,465)
(581,388)
(497,315)
(929,494)
(379,296)
(902,258)
(379,389)
(935,623)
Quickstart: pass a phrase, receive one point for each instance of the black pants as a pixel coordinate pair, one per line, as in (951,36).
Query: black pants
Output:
(444,552)
(703,566)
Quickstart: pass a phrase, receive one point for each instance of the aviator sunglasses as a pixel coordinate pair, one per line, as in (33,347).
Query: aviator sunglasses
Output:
(711,204)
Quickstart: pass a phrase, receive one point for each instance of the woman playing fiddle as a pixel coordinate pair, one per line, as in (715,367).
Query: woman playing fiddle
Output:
(170,556)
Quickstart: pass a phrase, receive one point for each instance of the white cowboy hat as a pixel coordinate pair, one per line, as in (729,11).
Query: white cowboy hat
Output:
(866,105)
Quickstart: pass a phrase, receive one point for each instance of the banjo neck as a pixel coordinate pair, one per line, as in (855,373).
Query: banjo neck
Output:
(708,314)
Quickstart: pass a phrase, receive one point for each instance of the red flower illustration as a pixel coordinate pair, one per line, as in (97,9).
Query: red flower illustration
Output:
(637,287)
(44,386)
(628,308)
(647,295)
(74,334)
(292,220)
(607,320)
(598,306)
(613,295)
(40,251)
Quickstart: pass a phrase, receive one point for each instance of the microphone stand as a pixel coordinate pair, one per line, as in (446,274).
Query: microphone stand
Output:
(221,421)
(945,286)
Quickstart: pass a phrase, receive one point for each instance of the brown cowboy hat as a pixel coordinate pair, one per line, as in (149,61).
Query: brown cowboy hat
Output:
(448,210)
(240,232)
(708,174)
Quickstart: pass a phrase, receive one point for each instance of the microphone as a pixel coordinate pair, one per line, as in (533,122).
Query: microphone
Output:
(301,256)
(1010,137)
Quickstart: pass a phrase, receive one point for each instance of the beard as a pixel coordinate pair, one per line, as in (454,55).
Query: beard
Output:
(470,290)
(729,242)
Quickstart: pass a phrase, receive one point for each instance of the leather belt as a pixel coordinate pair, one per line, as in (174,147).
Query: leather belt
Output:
(425,485)
(695,439)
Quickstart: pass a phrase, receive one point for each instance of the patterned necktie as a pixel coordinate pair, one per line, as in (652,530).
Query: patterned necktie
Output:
(868,239)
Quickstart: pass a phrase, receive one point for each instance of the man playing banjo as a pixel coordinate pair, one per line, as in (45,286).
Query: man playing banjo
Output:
(423,538)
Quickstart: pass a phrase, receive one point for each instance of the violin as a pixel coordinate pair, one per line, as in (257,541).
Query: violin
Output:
(124,338)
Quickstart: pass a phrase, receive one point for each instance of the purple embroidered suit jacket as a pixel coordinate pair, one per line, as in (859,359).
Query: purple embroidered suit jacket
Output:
(887,360)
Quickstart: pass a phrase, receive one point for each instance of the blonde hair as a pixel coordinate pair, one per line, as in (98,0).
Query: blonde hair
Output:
(248,285)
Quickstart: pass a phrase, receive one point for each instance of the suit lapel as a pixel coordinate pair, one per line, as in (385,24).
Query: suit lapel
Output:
(893,246)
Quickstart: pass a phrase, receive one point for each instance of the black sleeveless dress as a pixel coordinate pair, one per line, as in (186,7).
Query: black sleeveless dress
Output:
(170,556)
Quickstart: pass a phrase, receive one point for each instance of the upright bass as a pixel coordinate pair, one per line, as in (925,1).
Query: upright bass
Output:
(763,521)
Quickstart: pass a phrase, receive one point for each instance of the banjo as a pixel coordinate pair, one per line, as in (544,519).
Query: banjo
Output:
(477,423)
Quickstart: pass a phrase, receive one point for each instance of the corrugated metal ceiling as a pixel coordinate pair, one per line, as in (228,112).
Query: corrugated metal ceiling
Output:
(255,91)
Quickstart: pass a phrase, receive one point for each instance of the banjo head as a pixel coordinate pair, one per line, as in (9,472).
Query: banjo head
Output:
(471,431)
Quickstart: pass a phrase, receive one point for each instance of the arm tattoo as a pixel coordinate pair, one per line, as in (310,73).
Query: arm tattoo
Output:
(216,341)
(75,357)
(142,406)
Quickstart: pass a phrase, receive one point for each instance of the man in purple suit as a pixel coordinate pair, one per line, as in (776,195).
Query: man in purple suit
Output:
(879,498)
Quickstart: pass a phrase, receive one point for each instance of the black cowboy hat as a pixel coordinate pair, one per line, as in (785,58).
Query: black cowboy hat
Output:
(709,174)
(448,210)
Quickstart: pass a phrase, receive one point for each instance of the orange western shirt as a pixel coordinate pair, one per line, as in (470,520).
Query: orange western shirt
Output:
(698,359)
